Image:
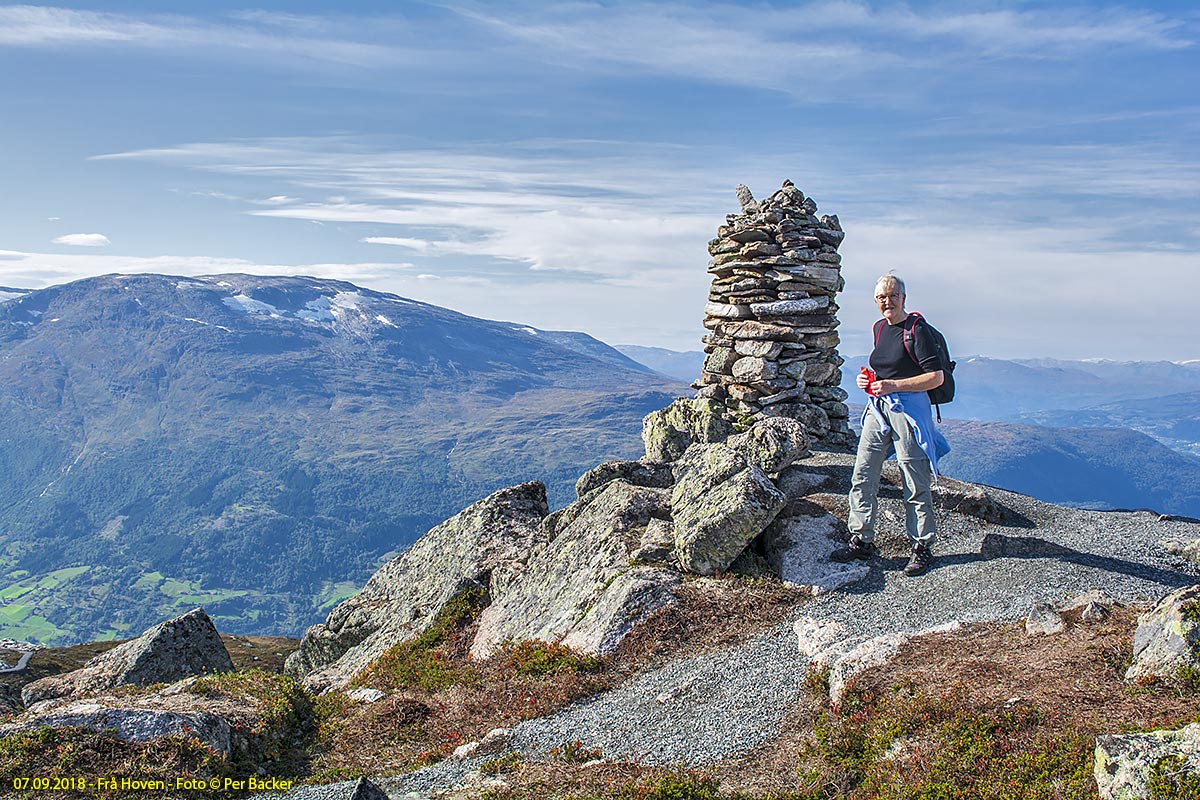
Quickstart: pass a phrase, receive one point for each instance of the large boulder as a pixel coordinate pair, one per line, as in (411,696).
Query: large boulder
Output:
(639,473)
(1126,762)
(719,504)
(130,723)
(668,432)
(579,588)
(178,648)
(1166,645)
(230,713)
(402,599)
(772,444)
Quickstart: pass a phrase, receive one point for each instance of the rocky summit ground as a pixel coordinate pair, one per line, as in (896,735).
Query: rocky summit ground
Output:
(740,707)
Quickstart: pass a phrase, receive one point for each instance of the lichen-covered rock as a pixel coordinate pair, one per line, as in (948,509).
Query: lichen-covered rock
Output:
(796,482)
(657,545)
(668,432)
(131,724)
(773,444)
(719,504)
(1166,645)
(171,650)
(401,600)
(233,714)
(631,597)
(639,473)
(1124,763)
(572,584)
(814,418)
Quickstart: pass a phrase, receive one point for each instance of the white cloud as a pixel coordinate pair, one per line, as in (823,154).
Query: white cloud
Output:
(1047,291)
(399,241)
(83,240)
(279,200)
(455,279)
(38,270)
(609,237)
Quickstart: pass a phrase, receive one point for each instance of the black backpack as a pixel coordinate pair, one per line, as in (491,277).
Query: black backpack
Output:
(944,393)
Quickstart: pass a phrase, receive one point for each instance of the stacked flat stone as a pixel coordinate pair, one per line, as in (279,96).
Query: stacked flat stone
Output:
(772,317)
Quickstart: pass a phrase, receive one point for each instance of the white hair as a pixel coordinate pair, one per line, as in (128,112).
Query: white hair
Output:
(890,280)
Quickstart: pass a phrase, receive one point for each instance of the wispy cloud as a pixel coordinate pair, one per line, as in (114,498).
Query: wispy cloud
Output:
(815,50)
(574,206)
(83,240)
(255,36)
(812,48)
(37,270)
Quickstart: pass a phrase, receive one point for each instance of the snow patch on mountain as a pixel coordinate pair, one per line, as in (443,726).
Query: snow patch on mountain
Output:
(244,302)
(316,311)
(202,322)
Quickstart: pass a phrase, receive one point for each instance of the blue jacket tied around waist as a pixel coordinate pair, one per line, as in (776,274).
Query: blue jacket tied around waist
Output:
(917,408)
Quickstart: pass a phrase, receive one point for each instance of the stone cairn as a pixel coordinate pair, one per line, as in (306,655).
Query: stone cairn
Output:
(771,317)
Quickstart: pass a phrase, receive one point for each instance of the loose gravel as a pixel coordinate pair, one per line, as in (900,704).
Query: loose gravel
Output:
(702,709)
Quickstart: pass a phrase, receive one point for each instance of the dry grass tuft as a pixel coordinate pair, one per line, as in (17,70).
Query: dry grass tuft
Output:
(711,613)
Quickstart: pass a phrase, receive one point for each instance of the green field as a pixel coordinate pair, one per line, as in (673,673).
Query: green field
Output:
(27,604)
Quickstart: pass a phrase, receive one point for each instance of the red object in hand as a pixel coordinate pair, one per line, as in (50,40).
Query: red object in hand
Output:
(870,373)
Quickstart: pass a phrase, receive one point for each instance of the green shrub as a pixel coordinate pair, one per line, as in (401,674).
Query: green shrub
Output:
(683,785)
(279,701)
(1172,779)
(576,753)
(71,753)
(502,764)
(419,663)
(915,747)
(545,658)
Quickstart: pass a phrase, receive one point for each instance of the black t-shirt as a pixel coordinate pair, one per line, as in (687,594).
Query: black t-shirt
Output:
(891,361)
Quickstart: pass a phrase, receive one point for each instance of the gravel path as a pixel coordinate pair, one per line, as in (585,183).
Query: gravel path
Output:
(705,708)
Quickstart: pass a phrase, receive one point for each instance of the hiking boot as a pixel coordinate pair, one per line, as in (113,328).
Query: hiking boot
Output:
(857,548)
(918,564)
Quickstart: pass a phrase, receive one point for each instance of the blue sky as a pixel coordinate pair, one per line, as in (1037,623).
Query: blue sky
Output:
(1031,169)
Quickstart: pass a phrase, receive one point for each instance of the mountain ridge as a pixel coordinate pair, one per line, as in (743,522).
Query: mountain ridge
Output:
(259,443)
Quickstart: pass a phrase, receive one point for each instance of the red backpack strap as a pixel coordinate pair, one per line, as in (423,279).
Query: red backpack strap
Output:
(879,330)
(909,335)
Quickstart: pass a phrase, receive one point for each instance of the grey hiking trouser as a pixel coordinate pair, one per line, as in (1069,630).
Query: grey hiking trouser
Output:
(915,474)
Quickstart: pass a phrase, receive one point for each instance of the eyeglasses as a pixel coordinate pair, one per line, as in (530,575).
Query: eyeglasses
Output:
(894,297)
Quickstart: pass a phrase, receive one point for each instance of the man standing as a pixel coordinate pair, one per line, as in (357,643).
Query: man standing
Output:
(905,365)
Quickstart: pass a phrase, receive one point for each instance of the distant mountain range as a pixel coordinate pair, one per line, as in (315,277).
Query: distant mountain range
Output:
(1098,468)
(258,445)
(681,365)
(1173,420)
